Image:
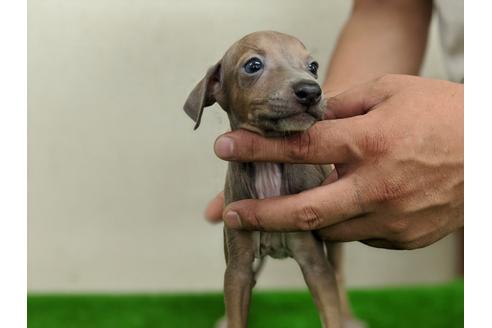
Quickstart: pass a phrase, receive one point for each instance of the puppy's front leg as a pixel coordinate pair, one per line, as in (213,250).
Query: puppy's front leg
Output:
(239,276)
(318,274)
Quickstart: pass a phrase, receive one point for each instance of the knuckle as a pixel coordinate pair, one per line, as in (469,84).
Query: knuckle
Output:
(407,244)
(374,143)
(386,78)
(257,221)
(308,218)
(387,191)
(360,194)
(413,239)
(299,146)
(384,84)
(398,228)
(403,236)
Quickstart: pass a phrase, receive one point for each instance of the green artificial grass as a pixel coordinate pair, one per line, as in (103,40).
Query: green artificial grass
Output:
(412,307)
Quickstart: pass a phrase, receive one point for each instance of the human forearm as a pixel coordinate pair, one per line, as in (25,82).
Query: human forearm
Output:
(380,37)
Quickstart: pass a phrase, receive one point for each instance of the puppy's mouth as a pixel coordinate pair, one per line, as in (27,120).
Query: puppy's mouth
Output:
(295,123)
(280,122)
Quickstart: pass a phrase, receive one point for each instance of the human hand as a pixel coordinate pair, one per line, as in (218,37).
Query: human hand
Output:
(397,146)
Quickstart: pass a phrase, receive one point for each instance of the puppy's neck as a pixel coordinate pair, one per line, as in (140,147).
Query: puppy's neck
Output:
(267,176)
(268,179)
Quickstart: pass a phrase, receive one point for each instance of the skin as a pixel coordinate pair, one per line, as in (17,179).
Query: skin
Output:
(396,142)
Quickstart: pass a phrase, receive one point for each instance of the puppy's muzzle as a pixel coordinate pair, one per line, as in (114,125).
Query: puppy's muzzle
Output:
(308,93)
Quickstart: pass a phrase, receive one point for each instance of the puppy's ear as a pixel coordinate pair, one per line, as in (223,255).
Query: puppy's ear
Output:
(203,95)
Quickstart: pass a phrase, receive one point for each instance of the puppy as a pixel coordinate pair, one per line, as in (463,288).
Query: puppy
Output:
(266,83)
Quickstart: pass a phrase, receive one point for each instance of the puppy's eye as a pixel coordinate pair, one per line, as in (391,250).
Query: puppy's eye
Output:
(313,67)
(253,65)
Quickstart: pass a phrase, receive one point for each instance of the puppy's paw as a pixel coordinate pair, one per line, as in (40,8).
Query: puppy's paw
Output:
(221,323)
(353,323)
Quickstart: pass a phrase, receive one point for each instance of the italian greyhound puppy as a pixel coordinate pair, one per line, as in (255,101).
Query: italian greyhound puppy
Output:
(266,82)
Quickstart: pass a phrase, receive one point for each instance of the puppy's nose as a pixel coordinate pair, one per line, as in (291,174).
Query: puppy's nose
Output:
(307,92)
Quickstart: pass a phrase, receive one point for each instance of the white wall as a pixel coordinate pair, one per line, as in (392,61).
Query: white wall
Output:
(117,178)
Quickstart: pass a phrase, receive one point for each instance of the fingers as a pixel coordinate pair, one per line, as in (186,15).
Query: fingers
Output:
(382,243)
(329,141)
(332,177)
(213,212)
(309,210)
(381,231)
(357,228)
(325,142)
(360,99)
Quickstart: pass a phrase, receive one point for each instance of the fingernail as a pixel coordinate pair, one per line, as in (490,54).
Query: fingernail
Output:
(224,147)
(233,220)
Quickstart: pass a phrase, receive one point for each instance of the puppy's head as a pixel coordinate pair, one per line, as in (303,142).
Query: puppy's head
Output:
(266,82)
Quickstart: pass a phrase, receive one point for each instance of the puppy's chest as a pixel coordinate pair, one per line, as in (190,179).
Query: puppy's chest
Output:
(268,182)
